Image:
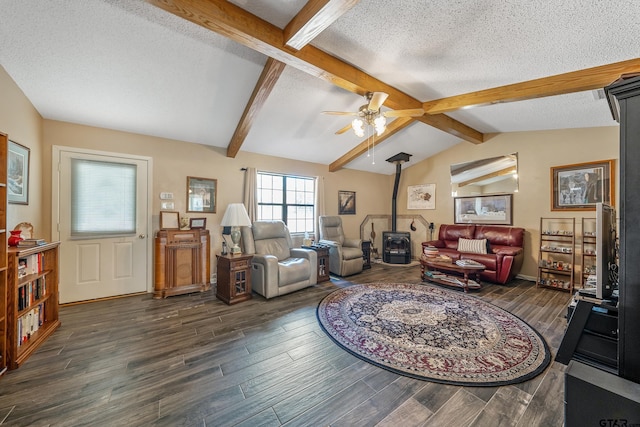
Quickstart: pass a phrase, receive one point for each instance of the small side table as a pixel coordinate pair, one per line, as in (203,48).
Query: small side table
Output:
(234,278)
(322,252)
(366,254)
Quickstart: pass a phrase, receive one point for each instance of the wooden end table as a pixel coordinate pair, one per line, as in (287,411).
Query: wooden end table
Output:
(234,278)
(435,266)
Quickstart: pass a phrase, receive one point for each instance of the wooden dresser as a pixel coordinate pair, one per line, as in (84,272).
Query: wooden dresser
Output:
(182,263)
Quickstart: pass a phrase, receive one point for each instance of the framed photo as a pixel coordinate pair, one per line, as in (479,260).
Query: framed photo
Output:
(18,174)
(496,209)
(580,186)
(169,220)
(346,202)
(198,223)
(421,196)
(201,194)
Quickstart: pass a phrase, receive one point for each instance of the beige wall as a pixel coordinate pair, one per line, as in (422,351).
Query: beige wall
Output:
(173,161)
(23,124)
(537,152)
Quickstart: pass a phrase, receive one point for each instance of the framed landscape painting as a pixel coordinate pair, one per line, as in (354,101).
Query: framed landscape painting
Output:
(18,174)
(580,186)
(496,209)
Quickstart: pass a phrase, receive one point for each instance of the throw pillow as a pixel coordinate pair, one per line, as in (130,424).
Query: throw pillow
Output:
(474,246)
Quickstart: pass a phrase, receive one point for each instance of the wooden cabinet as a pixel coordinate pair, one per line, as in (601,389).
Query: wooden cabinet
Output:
(556,259)
(234,278)
(322,254)
(32,299)
(182,262)
(366,254)
(3,252)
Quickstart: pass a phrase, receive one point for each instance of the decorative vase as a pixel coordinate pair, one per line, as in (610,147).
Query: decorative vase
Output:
(15,237)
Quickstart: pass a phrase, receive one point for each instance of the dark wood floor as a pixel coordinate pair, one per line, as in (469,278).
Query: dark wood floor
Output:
(192,360)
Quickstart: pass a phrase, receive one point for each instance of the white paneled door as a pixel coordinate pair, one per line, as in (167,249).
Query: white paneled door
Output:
(101,211)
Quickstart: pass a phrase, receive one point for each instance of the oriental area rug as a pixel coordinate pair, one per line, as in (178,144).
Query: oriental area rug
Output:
(433,334)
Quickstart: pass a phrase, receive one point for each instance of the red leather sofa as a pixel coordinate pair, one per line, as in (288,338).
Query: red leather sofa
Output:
(505,252)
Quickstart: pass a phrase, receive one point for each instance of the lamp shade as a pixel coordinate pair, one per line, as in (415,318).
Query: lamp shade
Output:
(236,216)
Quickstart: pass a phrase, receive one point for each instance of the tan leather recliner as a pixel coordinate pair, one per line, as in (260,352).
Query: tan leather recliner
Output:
(277,268)
(345,254)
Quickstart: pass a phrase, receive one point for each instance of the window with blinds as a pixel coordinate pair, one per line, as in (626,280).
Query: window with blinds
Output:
(103,198)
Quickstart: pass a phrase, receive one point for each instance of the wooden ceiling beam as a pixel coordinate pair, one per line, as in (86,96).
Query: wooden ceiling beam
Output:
(392,128)
(270,75)
(241,26)
(559,84)
(312,19)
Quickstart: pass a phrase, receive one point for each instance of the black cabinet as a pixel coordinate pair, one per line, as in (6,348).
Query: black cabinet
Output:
(624,97)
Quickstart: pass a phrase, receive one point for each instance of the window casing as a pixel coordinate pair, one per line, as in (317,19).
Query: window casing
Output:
(288,198)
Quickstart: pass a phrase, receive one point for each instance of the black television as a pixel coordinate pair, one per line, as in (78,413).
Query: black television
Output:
(606,251)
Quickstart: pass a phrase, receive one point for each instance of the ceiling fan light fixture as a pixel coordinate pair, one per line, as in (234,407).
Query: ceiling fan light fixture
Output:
(358,127)
(380,124)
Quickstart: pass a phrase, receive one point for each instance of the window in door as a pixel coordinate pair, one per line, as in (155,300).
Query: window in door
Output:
(103,198)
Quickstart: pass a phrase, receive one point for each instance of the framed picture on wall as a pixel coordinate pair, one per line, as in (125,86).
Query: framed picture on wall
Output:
(18,174)
(580,186)
(201,194)
(346,202)
(496,209)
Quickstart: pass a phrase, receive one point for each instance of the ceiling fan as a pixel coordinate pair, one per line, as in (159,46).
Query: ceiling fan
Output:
(370,114)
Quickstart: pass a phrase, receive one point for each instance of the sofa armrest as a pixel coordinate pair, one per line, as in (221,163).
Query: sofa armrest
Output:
(264,275)
(352,243)
(508,251)
(309,254)
(434,243)
(331,243)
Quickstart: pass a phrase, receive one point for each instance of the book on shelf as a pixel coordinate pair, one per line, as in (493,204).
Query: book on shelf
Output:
(29,243)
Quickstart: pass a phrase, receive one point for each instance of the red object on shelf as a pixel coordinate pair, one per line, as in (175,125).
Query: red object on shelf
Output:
(15,237)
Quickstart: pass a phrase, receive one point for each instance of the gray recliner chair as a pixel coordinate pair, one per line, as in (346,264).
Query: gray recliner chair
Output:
(277,268)
(345,254)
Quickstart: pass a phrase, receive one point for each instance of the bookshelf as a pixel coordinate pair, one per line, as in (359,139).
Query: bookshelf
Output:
(556,259)
(32,299)
(588,249)
(3,252)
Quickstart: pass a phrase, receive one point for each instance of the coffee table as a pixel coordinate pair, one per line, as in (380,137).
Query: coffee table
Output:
(442,268)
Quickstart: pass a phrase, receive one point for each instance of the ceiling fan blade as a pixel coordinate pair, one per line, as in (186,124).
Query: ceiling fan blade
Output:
(412,112)
(341,113)
(344,129)
(377,99)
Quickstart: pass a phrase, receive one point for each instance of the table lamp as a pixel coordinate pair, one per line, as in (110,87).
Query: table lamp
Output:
(235,217)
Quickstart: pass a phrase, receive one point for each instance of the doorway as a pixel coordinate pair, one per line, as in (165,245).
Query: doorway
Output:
(101,215)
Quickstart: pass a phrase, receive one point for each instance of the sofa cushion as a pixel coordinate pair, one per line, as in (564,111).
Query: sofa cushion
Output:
(474,246)
(500,235)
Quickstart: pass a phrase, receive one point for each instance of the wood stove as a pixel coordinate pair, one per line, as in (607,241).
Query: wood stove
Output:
(396,245)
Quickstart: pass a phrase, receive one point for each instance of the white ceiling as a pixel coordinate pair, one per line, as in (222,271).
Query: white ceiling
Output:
(127,65)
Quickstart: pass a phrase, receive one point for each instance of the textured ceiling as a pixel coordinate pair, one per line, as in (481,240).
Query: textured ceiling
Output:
(128,65)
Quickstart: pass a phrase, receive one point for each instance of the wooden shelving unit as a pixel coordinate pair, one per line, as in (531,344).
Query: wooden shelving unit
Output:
(32,300)
(4,141)
(556,259)
(588,255)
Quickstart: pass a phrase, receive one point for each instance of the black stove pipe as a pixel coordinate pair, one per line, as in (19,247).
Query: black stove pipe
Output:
(398,159)
(394,215)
